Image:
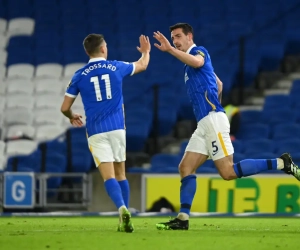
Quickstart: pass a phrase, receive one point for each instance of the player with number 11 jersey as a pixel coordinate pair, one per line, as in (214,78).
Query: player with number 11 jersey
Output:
(100,85)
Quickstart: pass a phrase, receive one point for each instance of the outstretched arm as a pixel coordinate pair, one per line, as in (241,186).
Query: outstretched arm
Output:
(165,46)
(144,49)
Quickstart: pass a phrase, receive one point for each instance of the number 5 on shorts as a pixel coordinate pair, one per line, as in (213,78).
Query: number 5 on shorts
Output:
(215,147)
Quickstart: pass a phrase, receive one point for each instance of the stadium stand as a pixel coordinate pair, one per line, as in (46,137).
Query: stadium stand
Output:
(41,48)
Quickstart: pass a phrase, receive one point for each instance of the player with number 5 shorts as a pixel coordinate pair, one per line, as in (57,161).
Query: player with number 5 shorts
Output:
(211,138)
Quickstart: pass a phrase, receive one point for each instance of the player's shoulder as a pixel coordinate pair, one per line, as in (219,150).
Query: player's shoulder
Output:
(122,62)
(78,73)
(199,50)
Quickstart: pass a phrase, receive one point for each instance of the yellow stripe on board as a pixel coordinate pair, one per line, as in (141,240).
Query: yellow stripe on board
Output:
(96,159)
(222,144)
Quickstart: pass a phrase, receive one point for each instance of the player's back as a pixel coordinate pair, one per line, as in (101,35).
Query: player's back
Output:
(100,85)
(202,86)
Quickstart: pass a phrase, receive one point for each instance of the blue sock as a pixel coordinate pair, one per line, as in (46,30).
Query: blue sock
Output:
(114,192)
(125,191)
(251,167)
(187,193)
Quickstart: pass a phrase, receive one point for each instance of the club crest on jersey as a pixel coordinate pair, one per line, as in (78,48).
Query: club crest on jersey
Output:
(200,53)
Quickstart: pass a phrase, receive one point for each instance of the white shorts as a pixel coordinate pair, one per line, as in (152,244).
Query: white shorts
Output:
(211,137)
(108,147)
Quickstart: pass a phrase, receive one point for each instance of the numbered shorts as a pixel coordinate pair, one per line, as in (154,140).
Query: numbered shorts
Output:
(108,147)
(211,136)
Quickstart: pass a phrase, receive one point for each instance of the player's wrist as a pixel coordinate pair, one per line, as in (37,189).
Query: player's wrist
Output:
(170,50)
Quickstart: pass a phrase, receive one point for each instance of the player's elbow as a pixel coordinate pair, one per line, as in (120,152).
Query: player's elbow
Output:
(144,67)
(140,68)
(220,85)
(64,109)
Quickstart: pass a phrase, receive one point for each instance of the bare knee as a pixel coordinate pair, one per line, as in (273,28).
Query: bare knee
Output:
(225,168)
(227,173)
(227,176)
(185,169)
(119,168)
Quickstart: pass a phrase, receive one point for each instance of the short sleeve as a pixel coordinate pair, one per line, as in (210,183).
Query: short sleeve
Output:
(197,51)
(126,68)
(72,89)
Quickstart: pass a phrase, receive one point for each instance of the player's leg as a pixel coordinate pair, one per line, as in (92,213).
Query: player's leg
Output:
(229,170)
(223,158)
(195,155)
(118,142)
(123,182)
(101,149)
(112,186)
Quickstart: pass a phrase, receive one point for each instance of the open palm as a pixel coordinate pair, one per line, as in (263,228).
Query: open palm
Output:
(165,45)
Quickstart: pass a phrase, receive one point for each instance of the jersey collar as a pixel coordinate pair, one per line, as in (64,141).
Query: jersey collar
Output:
(189,50)
(96,59)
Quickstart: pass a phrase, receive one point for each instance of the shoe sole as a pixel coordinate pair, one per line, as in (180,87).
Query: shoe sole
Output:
(165,227)
(128,228)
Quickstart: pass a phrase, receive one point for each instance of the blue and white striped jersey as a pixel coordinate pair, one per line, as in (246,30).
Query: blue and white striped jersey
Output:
(100,86)
(201,84)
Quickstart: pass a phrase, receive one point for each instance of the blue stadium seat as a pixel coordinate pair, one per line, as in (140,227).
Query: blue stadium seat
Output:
(138,170)
(20,11)
(77,135)
(286,131)
(237,157)
(136,135)
(56,145)
(288,145)
(294,95)
(183,146)
(258,146)
(250,116)
(253,131)
(54,56)
(276,101)
(292,31)
(22,161)
(296,86)
(279,115)
(47,38)
(262,155)
(17,42)
(74,54)
(238,146)
(20,55)
(164,160)
(81,160)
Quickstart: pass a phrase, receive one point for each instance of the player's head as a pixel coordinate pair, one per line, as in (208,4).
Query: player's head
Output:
(95,45)
(182,35)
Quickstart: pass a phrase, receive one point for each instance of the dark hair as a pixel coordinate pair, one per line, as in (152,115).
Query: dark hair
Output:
(186,28)
(92,43)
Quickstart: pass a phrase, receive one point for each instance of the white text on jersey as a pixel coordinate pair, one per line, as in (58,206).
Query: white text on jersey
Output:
(98,66)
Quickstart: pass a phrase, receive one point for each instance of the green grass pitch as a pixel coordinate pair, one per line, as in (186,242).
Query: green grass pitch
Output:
(63,233)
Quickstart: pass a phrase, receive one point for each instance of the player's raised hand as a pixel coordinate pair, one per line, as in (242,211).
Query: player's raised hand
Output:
(145,45)
(76,121)
(165,45)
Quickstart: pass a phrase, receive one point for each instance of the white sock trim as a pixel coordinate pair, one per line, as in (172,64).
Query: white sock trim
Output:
(280,164)
(183,216)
